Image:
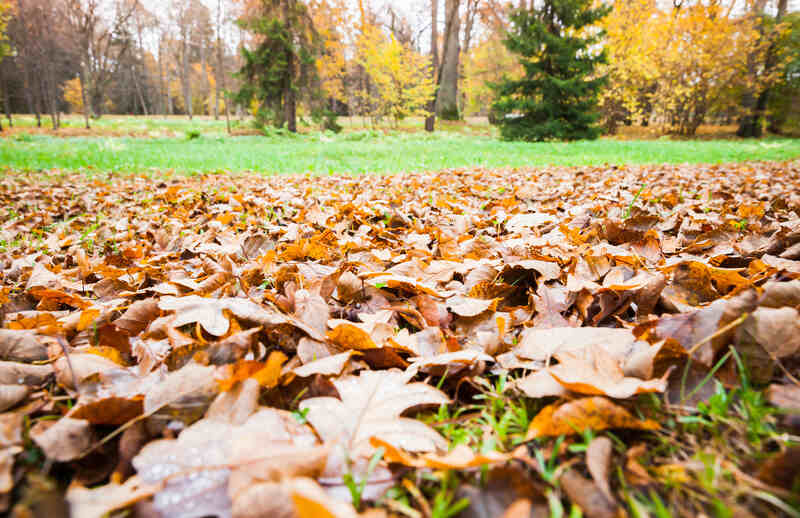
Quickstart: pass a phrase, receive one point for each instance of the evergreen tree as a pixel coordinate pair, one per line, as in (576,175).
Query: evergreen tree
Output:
(557,96)
(282,66)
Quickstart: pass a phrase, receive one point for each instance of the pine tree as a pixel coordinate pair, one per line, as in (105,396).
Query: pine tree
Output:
(557,96)
(276,72)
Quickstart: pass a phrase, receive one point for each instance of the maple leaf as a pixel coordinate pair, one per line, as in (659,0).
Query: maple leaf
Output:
(210,312)
(371,405)
(376,400)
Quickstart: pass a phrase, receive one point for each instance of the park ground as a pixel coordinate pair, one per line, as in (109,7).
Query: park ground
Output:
(596,329)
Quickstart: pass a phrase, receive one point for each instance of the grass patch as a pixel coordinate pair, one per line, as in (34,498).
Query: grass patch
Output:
(365,151)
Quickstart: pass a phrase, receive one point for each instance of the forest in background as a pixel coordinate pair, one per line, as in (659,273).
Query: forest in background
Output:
(675,65)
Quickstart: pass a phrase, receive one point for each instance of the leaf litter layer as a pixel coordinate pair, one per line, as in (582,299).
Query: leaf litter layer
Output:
(606,341)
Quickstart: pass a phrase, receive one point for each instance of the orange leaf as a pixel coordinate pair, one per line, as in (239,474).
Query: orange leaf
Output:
(106,352)
(593,413)
(266,373)
(51,298)
(268,376)
(461,457)
(350,336)
(87,319)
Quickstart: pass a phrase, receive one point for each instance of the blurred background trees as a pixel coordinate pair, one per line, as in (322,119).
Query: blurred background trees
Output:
(671,65)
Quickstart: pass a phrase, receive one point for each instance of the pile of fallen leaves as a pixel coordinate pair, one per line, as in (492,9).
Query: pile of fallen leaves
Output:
(611,341)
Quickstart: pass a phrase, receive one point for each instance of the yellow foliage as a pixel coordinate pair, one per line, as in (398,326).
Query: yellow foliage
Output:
(400,82)
(72,94)
(331,20)
(486,63)
(680,63)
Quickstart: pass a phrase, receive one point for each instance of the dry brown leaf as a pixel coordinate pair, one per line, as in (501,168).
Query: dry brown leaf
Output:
(138,316)
(210,312)
(21,346)
(212,466)
(592,413)
(542,344)
(12,395)
(371,405)
(329,366)
(782,469)
(596,372)
(13,373)
(469,307)
(350,336)
(587,495)
(312,310)
(376,399)
(598,462)
(99,502)
(193,384)
(63,440)
(785,396)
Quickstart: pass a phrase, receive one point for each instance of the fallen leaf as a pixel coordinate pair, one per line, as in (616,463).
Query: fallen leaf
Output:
(370,406)
(587,495)
(100,501)
(63,440)
(377,399)
(138,316)
(311,501)
(592,413)
(12,395)
(596,372)
(328,366)
(460,457)
(598,462)
(21,346)
(210,312)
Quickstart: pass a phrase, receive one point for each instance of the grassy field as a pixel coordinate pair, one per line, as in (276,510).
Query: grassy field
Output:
(179,125)
(364,151)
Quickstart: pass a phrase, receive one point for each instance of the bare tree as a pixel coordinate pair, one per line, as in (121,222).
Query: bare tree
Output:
(41,47)
(98,45)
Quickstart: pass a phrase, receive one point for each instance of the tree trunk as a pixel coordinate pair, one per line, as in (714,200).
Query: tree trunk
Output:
(206,86)
(139,93)
(430,120)
(472,10)
(755,103)
(52,96)
(289,94)
(84,97)
(163,92)
(219,61)
(221,86)
(187,88)
(447,95)
(218,78)
(27,89)
(6,97)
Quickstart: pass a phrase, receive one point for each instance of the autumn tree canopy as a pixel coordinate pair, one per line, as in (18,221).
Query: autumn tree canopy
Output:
(671,65)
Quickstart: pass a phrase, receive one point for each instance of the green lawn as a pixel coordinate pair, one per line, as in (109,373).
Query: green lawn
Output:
(360,152)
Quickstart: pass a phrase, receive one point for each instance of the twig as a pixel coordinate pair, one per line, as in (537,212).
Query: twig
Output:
(718,333)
